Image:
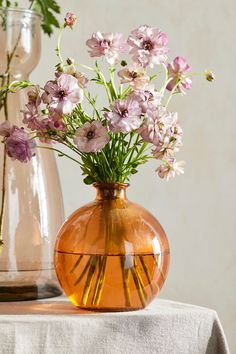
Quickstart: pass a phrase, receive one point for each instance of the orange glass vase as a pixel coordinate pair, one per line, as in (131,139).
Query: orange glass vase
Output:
(111,254)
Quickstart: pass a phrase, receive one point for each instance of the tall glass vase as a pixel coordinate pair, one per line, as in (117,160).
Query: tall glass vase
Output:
(31,209)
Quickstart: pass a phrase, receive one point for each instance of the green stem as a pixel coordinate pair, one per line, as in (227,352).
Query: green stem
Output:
(85,67)
(61,153)
(58,48)
(115,96)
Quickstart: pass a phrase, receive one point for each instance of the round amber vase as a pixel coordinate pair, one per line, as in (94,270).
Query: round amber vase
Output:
(111,254)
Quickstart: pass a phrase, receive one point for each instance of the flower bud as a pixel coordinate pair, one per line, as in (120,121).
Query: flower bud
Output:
(209,76)
(123,63)
(70,61)
(70,19)
(59,67)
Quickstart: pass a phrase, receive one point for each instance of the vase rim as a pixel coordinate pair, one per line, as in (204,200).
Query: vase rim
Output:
(110,185)
(21,10)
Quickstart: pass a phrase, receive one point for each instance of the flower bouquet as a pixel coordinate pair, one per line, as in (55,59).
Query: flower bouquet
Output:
(109,144)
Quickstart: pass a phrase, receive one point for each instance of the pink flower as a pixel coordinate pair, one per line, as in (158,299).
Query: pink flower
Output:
(170,168)
(157,123)
(33,115)
(171,141)
(92,137)
(55,121)
(62,94)
(33,119)
(34,98)
(19,146)
(70,19)
(134,76)
(5,129)
(147,98)
(125,116)
(177,70)
(106,44)
(148,46)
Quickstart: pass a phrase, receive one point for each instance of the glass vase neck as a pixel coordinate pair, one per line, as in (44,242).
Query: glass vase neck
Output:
(20,42)
(109,191)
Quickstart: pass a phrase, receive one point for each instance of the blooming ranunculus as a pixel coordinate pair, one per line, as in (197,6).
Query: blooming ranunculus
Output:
(70,19)
(148,46)
(136,77)
(91,137)
(109,45)
(62,94)
(19,146)
(125,116)
(177,70)
(156,124)
(170,168)
(171,141)
(147,98)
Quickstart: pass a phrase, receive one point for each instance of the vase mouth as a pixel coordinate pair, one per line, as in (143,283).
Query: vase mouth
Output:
(21,10)
(110,185)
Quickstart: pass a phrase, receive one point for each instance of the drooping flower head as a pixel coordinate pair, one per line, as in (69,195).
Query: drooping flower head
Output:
(109,45)
(5,129)
(148,46)
(177,70)
(170,168)
(135,76)
(33,114)
(62,94)
(147,98)
(91,137)
(19,146)
(81,78)
(34,98)
(70,19)
(125,116)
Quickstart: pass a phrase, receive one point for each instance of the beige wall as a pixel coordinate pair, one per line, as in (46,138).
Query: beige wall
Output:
(198,209)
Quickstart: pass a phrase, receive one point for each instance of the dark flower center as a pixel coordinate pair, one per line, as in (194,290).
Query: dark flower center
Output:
(61,93)
(124,113)
(105,43)
(90,135)
(147,45)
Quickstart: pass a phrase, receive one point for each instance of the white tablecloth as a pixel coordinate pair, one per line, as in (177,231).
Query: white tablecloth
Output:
(55,326)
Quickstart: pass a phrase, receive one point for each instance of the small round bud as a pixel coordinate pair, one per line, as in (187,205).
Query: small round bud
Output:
(70,61)
(209,76)
(123,63)
(59,67)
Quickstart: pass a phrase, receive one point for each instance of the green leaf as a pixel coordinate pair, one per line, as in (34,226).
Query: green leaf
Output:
(89,180)
(47,8)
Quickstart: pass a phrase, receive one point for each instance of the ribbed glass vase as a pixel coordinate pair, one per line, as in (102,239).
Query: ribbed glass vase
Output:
(111,254)
(31,209)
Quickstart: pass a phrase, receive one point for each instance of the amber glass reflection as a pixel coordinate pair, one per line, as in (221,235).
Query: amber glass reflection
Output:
(32,210)
(111,254)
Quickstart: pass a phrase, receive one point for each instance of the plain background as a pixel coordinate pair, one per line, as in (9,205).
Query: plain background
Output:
(197,210)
